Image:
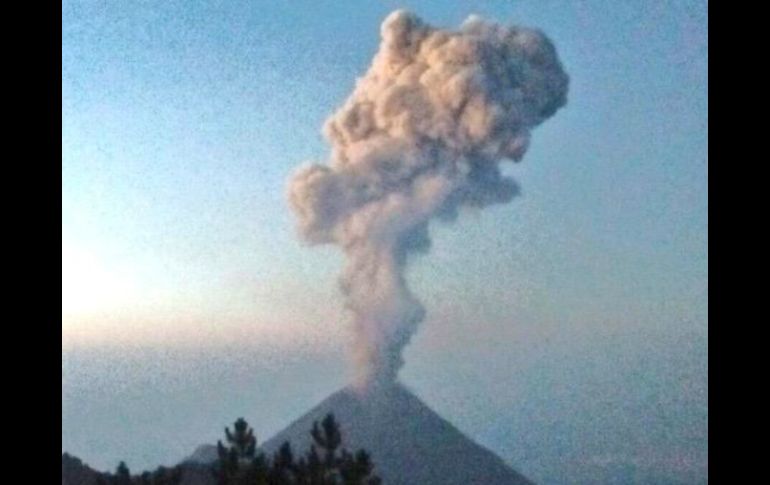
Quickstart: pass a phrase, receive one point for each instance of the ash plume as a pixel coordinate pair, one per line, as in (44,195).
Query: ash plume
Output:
(421,136)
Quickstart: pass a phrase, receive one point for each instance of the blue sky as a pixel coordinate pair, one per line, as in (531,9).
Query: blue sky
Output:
(585,297)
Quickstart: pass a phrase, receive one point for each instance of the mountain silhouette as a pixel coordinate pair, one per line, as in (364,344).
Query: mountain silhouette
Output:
(409,443)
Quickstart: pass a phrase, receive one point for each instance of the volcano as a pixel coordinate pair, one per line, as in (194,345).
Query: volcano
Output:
(409,443)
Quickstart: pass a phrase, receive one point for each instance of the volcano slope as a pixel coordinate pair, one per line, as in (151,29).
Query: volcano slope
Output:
(409,443)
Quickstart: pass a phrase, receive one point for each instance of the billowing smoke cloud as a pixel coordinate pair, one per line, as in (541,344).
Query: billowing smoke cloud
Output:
(421,135)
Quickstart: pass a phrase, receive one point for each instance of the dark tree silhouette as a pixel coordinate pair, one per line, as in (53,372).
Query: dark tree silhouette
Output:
(243,443)
(356,470)
(258,471)
(284,469)
(327,462)
(167,476)
(146,479)
(328,437)
(335,465)
(315,470)
(239,464)
(122,475)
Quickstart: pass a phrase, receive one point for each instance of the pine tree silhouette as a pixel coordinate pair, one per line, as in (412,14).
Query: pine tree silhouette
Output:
(328,439)
(326,462)
(356,470)
(146,479)
(258,471)
(284,469)
(316,473)
(334,469)
(242,441)
(122,475)
(239,463)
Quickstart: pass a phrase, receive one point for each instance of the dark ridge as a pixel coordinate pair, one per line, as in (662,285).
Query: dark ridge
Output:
(75,472)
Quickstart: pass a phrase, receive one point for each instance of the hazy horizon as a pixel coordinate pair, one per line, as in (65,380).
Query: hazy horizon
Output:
(566,331)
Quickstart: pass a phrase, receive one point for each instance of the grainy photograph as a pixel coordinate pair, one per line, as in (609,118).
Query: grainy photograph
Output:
(374,242)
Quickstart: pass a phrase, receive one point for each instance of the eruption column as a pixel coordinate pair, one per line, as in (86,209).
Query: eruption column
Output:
(422,134)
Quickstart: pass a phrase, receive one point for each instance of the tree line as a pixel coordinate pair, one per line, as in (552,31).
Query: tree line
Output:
(238,462)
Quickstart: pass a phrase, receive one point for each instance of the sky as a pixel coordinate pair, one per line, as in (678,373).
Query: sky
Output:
(567,330)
